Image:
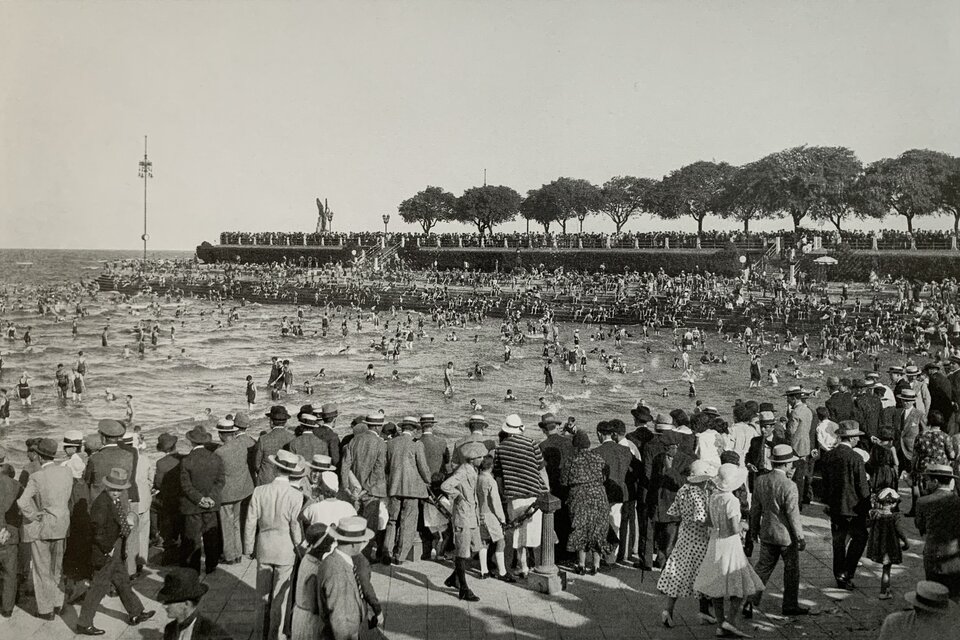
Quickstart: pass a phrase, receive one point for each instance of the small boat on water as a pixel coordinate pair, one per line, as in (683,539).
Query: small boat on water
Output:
(24,264)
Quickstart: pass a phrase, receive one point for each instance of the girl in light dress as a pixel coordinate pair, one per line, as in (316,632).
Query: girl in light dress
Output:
(725,575)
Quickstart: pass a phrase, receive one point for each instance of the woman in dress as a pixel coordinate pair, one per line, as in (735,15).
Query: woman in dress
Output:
(305,621)
(755,370)
(582,475)
(725,573)
(676,579)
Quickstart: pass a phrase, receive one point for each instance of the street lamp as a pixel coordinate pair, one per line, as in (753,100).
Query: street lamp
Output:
(386,221)
(146,171)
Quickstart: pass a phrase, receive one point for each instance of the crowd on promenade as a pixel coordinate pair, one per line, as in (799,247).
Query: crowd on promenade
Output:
(885,239)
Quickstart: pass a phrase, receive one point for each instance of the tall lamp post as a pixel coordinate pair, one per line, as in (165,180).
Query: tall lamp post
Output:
(146,171)
(386,221)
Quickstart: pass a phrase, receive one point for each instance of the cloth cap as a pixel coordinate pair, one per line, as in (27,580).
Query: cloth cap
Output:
(111,428)
(471,450)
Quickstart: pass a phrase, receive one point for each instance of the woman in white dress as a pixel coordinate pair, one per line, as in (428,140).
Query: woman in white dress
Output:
(725,574)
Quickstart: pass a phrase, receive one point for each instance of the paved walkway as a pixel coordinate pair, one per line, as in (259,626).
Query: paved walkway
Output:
(614,604)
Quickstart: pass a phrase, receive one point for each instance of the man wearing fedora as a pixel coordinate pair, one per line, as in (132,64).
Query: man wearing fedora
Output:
(325,431)
(847,496)
(938,521)
(556,450)
(202,480)
(349,608)
(166,498)
(799,428)
(933,615)
(641,436)
(775,522)
(272,534)
(867,407)
(45,507)
(180,596)
(269,443)
(113,454)
(237,487)
(915,378)
(111,521)
(438,458)
(408,476)
(363,474)
(840,402)
(668,472)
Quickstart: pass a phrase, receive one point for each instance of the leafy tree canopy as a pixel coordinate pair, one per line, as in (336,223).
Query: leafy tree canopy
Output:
(428,207)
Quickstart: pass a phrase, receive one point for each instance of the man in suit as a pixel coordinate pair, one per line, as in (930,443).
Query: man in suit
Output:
(202,480)
(45,507)
(363,473)
(180,597)
(775,522)
(640,436)
(941,393)
(840,402)
(307,444)
(10,490)
(621,478)
(166,500)
(345,612)
(438,457)
(408,476)
(556,450)
(111,455)
(111,522)
(325,431)
(954,378)
(915,379)
(938,521)
(867,407)
(761,448)
(273,526)
(799,427)
(847,496)
(237,487)
(269,443)
(668,473)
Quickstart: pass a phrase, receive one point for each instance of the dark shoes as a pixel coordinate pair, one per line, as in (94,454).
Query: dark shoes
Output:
(143,616)
(451,582)
(844,582)
(386,561)
(643,566)
(796,611)
(507,578)
(747,611)
(469,596)
(89,631)
(579,569)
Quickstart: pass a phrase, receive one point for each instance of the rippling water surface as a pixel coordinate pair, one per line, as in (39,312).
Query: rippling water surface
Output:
(204,367)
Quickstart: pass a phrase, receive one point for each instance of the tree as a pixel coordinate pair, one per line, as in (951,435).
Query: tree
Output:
(623,196)
(692,191)
(742,196)
(428,207)
(793,182)
(911,184)
(486,206)
(950,193)
(841,192)
(541,206)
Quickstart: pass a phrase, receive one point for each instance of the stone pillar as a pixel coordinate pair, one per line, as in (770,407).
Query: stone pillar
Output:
(698,243)
(483,242)
(636,242)
(438,242)
(913,243)
(953,243)
(460,241)
(579,242)
(546,578)
(607,241)
(817,243)
(341,241)
(403,241)
(270,239)
(304,239)
(418,242)
(666,242)
(323,241)
(873,242)
(506,243)
(792,278)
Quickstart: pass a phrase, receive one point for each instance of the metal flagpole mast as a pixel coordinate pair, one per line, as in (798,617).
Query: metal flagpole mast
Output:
(146,171)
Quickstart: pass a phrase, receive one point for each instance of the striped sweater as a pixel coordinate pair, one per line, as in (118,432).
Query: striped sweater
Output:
(518,463)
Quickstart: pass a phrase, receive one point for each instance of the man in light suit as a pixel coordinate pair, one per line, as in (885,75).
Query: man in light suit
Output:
(201,483)
(272,523)
(45,506)
(344,608)
(237,487)
(775,522)
(408,475)
(799,425)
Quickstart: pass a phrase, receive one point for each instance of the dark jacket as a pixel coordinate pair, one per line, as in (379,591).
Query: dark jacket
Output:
(10,490)
(111,456)
(867,409)
(438,455)
(166,482)
(840,406)
(664,484)
(556,450)
(845,486)
(641,436)
(203,629)
(941,394)
(938,521)
(268,445)
(201,475)
(329,436)
(105,529)
(620,480)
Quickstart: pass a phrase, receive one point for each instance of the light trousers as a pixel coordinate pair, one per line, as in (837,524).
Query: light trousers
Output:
(273,589)
(47,568)
(230,528)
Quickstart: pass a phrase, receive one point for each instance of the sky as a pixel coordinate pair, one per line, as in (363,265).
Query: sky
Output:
(255,109)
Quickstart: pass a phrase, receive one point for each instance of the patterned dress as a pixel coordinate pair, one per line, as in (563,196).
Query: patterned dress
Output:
(589,510)
(676,579)
(932,447)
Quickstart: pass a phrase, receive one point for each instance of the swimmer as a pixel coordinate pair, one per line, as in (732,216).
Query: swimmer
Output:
(344,350)
(475,406)
(307,388)
(370,375)
(509,397)
(395,375)
(321,374)
(109,396)
(448,379)
(543,403)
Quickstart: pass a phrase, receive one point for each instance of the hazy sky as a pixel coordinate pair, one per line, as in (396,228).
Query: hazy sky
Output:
(254,109)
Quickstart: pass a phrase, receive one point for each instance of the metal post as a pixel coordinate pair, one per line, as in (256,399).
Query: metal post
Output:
(146,171)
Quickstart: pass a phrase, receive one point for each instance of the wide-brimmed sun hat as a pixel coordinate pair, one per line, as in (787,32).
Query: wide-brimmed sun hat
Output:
(287,461)
(931,596)
(117,479)
(730,477)
(350,529)
(701,471)
(512,425)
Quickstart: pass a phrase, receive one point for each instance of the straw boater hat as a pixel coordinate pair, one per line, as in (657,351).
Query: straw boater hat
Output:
(701,471)
(664,422)
(911,371)
(308,420)
(320,462)
(73,438)
(512,425)
(181,584)
(895,369)
(931,596)
(907,395)
(350,529)
(712,411)
(472,450)
(783,453)
(767,417)
(374,420)
(226,426)
(796,391)
(287,461)
(476,419)
(410,422)
(730,477)
(198,435)
(548,419)
(111,428)
(117,479)
(427,420)
(848,429)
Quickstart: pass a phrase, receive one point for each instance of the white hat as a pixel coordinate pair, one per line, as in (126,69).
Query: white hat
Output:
(512,425)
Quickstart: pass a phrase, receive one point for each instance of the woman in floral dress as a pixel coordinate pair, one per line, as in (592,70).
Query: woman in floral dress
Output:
(725,573)
(676,579)
(582,475)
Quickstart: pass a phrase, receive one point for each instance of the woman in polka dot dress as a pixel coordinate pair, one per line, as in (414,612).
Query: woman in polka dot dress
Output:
(676,579)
